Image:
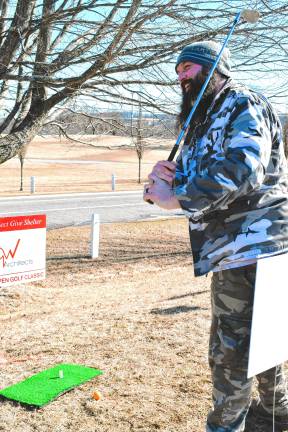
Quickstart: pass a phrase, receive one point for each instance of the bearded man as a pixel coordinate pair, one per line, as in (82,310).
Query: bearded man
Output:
(230,179)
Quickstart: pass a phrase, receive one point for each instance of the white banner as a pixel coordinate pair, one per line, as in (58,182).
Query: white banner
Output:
(22,249)
(268,344)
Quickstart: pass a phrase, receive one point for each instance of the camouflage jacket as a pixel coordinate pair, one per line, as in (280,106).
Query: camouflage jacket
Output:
(231,181)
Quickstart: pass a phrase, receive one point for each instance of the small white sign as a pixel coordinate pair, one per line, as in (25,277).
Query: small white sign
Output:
(268,344)
(22,249)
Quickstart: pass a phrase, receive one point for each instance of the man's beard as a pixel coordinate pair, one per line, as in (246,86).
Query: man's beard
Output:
(189,97)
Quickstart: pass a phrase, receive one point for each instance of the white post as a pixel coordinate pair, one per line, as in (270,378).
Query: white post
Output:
(95,235)
(32,184)
(113,182)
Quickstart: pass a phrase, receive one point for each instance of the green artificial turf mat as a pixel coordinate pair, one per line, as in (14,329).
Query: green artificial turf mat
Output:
(45,386)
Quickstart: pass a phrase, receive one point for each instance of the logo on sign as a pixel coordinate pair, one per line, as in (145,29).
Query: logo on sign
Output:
(10,254)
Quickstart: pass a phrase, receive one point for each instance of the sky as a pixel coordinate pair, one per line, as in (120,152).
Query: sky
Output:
(270,82)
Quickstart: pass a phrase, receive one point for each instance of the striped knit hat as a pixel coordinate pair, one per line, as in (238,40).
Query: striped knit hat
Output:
(205,54)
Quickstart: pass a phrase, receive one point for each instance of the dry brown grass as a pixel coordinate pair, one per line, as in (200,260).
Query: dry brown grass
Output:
(137,313)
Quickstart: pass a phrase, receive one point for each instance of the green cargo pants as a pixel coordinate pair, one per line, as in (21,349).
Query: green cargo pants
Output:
(232,303)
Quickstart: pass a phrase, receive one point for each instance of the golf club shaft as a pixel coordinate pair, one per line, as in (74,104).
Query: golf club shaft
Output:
(199,97)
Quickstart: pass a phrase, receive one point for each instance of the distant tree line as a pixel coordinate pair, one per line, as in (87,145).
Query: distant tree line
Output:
(111,123)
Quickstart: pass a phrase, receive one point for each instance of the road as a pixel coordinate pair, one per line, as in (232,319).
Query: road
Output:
(77,209)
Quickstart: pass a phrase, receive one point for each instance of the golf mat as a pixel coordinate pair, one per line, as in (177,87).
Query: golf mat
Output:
(45,386)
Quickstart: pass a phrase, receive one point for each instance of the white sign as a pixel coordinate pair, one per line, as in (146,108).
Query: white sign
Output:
(22,249)
(268,344)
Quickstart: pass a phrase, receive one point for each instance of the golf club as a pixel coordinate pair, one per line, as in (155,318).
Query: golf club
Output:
(248,15)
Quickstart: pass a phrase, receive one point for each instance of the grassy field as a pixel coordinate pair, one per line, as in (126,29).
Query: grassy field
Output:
(61,166)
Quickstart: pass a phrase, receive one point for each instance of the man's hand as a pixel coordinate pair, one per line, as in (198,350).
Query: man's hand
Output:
(159,189)
(160,192)
(163,170)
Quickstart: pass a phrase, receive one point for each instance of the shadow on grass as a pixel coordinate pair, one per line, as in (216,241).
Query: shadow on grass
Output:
(190,294)
(17,404)
(176,310)
(117,258)
(69,258)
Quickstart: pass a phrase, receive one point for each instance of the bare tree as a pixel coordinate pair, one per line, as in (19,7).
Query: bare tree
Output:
(52,51)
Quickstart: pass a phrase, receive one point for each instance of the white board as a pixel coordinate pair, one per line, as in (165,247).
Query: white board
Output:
(22,249)
(269,342)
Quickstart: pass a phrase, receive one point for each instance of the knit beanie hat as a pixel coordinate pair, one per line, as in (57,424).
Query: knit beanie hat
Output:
(205,53)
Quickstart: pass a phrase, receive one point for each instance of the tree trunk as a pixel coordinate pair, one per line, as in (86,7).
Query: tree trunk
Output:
(21,172)
(13,143)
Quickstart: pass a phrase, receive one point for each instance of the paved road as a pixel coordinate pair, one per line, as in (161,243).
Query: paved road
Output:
(77,209)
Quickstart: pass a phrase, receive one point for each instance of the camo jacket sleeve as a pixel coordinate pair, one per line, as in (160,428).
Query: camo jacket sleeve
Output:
(228,161)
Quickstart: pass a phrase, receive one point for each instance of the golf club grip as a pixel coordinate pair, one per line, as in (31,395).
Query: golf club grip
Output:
(173,153)
(170,159)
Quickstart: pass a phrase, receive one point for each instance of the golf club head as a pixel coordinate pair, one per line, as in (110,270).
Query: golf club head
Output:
(250,15)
